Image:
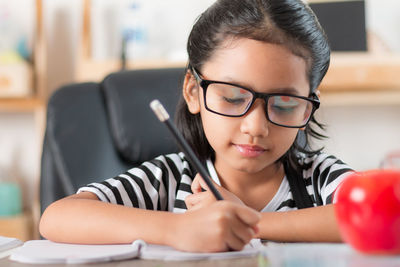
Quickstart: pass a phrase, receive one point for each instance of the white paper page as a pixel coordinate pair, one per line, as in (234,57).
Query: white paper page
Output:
(7,243)
(46,252)
(156,252)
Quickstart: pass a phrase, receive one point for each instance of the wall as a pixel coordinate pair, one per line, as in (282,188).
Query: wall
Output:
(19,151)
(384,21)
(361,136)
(62,20)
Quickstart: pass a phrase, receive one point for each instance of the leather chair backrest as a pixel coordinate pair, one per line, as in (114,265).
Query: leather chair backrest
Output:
(96,131)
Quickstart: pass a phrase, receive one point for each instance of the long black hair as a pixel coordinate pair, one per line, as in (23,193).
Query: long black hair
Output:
(290,23)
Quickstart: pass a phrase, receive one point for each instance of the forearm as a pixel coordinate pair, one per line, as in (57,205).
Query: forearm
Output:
(84,219)
(316,224)
(75,220)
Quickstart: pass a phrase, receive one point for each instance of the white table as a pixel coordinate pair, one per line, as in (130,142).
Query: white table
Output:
(273,255)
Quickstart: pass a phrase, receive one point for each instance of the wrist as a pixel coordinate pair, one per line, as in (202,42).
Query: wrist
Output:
(154,227)
(171,228)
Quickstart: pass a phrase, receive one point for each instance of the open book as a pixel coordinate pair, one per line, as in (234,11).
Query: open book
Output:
(45,251)
(7,244)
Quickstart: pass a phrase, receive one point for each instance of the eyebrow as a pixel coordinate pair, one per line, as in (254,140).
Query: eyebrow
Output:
(283,90)
(287,90)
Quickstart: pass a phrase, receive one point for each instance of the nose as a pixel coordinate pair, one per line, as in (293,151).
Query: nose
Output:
(255,122)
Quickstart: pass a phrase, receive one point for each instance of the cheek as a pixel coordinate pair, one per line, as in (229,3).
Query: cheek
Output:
(282,138)
(210,125)
(287,137)
(217,128)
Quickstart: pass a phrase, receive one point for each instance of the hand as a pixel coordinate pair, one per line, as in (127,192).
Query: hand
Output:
(221,226)
(201,198)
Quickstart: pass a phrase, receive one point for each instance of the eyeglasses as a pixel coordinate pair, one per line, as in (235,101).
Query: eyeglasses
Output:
(281,109)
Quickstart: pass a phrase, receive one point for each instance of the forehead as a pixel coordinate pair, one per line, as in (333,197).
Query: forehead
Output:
(264,67)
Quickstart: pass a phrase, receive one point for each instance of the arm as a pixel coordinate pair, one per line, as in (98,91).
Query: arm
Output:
(317,224)
(82,218)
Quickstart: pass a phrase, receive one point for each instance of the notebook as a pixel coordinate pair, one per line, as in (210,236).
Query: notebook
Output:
(7,244)
(48,252)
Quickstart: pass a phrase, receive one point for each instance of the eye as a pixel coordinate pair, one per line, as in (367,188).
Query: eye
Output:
(233,95)
(235,101)
(284,104)
(282,109)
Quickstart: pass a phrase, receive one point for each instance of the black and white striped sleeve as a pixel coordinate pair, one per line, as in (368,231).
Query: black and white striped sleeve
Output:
(151,185)
(326,173)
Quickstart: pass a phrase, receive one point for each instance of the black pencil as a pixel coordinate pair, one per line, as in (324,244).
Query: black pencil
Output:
(163,116)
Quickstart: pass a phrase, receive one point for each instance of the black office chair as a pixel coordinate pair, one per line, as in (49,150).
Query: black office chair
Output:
(97,130)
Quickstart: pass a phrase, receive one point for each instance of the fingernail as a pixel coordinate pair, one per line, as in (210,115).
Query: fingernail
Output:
(256,229)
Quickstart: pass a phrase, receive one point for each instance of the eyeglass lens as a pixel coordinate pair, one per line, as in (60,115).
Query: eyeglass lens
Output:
(235,101)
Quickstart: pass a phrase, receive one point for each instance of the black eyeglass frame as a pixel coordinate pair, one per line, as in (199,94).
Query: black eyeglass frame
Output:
(313,98)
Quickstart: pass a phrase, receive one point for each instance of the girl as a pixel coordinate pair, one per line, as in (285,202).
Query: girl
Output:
(249,96)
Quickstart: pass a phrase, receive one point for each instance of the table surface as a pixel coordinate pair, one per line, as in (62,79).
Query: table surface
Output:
(274,254)
(250,261)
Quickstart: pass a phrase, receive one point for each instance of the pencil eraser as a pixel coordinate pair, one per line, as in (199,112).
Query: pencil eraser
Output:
(159,110)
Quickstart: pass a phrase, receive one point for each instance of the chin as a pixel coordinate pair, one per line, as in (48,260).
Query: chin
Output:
(249,166)
(249,170)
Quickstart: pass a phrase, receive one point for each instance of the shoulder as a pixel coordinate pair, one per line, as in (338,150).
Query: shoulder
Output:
(324,173)
(322,162)
(175,164)
(176,159)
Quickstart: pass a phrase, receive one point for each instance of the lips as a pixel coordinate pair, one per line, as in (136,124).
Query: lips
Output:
(250,150)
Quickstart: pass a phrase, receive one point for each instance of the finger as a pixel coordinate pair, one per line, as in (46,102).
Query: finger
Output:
(196,185)
(192,200)
(256,229)
(248,215)
(239,232)
(234,242)
(198,200)
(200,184)
(189,201)
(242,231)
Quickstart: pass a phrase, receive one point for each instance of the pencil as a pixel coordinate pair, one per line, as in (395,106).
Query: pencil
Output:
(163,116)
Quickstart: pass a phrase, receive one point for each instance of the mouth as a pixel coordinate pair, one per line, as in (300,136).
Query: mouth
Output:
(250,150)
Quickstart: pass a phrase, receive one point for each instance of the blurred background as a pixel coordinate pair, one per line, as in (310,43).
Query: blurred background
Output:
(45,44)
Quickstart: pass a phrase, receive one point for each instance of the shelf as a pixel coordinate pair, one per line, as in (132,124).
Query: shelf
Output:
(361,79)
(20,104)
(360,98)
(18,226)
(92,70)
(362,72)
(353,78)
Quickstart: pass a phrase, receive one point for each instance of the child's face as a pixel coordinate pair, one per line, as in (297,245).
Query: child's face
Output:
(249,143)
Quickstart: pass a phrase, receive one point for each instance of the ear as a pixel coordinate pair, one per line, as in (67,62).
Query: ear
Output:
(318,93)
(191,93)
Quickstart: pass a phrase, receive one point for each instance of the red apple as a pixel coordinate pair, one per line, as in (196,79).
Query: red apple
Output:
(368,211)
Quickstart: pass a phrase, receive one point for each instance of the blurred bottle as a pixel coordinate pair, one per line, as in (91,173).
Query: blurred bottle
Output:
(134,32)
(16,33)
(10,195)
(391,160)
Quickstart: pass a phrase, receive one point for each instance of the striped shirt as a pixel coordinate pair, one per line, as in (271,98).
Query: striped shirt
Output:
(164,182)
